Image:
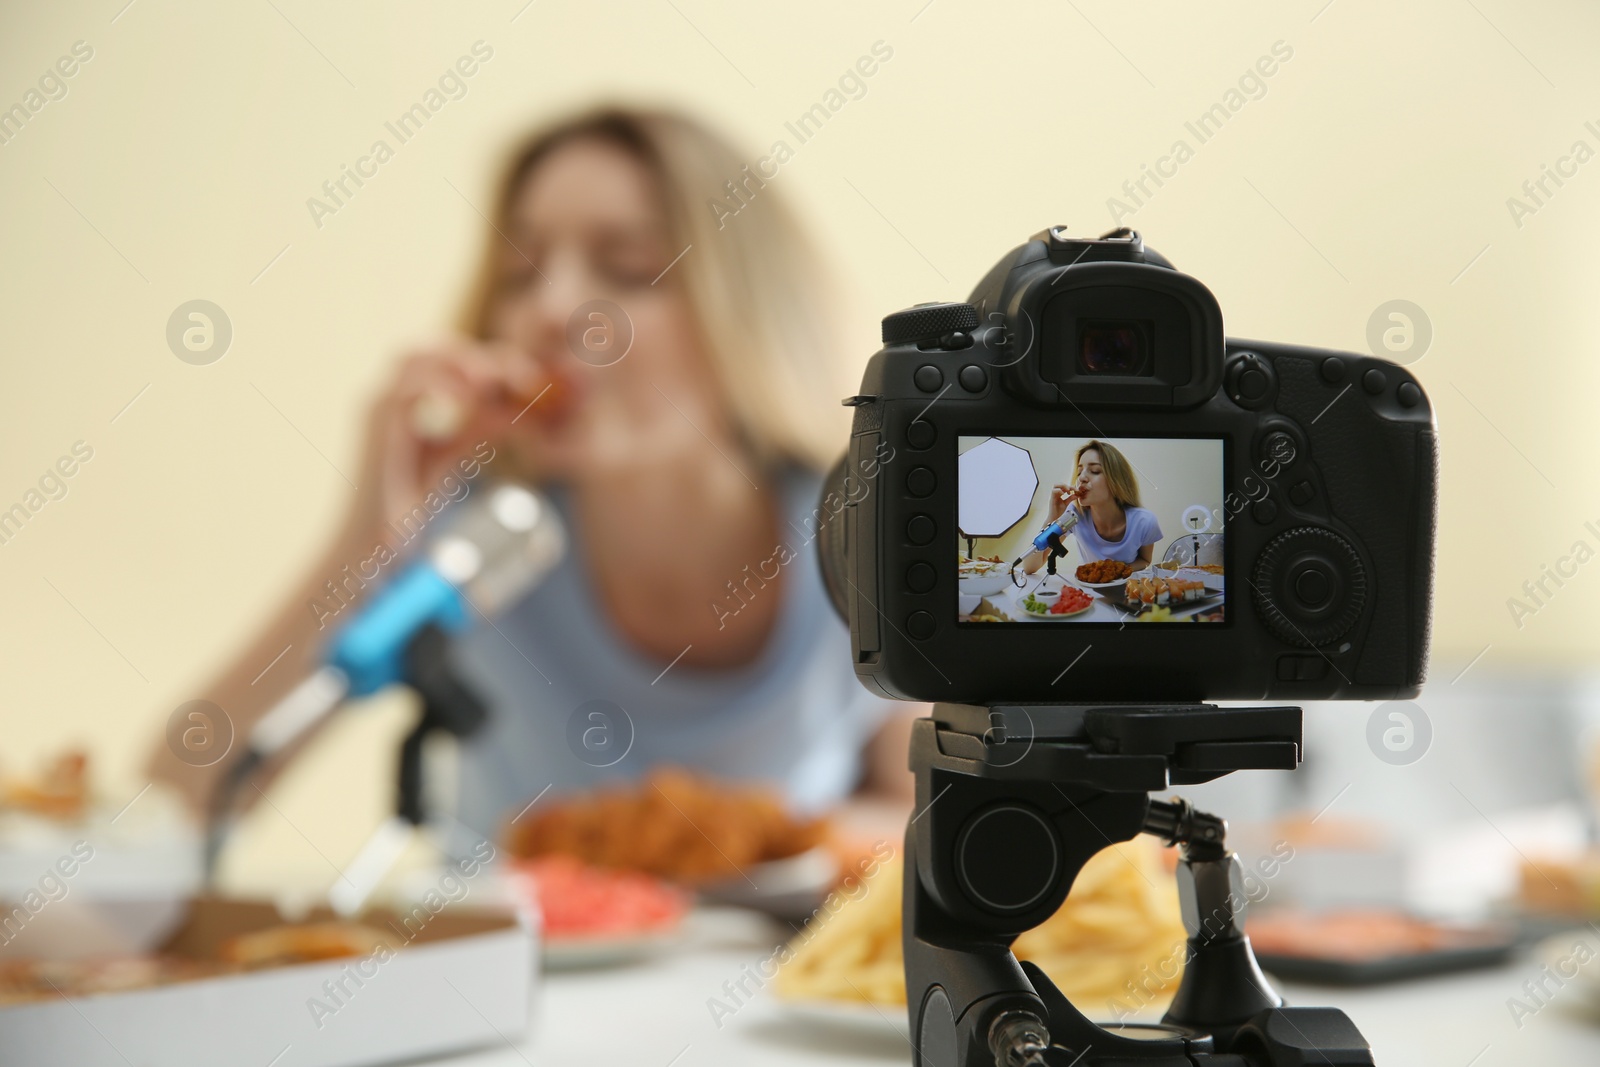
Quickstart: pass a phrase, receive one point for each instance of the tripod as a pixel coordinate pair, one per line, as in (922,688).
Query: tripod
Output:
(1012,801)
(449,706)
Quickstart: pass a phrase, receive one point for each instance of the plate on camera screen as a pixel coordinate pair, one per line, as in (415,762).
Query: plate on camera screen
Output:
(1100,587)
(1214,583)
(1040,605)
(1209,599)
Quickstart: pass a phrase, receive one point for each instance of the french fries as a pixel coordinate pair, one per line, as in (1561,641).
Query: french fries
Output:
(1118,938)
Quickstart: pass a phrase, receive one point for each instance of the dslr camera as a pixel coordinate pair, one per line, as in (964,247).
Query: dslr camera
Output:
(1039,477)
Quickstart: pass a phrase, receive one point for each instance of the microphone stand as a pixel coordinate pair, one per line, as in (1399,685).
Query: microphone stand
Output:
(449,705)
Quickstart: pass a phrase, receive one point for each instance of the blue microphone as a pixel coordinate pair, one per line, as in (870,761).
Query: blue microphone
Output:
(1055,529)
(496,547)
(500,545)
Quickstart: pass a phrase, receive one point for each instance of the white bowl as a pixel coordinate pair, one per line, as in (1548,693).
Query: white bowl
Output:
(985,584)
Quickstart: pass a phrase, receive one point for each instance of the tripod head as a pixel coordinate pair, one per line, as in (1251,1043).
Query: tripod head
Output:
(1012,800)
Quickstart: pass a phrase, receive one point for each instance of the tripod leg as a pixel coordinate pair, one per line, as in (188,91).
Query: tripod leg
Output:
(954,984)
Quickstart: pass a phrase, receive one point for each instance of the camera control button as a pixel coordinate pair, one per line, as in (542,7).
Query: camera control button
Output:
(921,530)
(1333,370)
(973,378)
(1264,511)
(1302,492)
(920,624)
(1310,586)
(1249,381)
(1302,667)
(921,434)
(928,378)
(930,322)
(920,481)
(921,577)
(1409,394)
(1279,447)
(1374,381)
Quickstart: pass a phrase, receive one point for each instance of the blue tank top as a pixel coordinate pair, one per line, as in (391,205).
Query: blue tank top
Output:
(574,706)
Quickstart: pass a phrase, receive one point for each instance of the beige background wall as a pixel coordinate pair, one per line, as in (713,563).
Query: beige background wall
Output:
(1374,164)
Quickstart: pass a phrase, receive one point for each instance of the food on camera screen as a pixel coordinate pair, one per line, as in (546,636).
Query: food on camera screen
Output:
(1103,570)
(675,825)
(1070,601)
(1094,512)
(987,611)
(1119,929)
(1162,592)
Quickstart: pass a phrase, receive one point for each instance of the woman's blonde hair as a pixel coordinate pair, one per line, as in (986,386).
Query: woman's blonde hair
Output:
(1124,484)
(755,287)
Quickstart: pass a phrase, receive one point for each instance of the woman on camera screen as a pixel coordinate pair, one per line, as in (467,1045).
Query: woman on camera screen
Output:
(1101,506)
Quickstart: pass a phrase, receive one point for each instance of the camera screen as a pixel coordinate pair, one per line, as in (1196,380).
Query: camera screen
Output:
(1080,530)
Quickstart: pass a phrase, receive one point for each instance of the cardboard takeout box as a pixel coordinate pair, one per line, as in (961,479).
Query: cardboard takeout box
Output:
(457,979)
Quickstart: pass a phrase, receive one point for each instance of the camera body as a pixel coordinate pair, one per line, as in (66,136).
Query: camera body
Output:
(1290,493)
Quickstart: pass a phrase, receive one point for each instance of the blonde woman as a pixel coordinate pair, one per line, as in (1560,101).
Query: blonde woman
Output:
(1104,491)
(684,459)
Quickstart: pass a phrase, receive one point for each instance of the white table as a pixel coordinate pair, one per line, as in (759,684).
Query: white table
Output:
(655,1014)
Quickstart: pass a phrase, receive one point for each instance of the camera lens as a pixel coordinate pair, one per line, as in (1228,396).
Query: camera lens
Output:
(1112,348)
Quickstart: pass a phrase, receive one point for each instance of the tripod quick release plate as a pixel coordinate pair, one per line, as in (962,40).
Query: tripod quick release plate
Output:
(1118,747)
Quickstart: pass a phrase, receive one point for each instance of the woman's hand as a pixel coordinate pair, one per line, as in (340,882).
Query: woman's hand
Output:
(445,401)
(1061,494)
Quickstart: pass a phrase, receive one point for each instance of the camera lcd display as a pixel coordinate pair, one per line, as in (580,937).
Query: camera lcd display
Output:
(1085,530)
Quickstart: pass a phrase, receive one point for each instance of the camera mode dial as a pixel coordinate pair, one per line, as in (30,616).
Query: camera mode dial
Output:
(928,322)
(1309,586)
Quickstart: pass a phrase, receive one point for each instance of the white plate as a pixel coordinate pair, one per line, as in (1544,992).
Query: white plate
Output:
(1559,953)
(1098,587)
(856,1017)
(1214,582)
(1118,584)
(790,888)
(607,950)
(1045,617)
(984,584)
